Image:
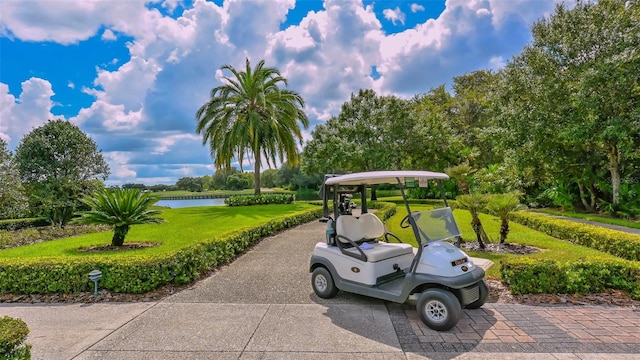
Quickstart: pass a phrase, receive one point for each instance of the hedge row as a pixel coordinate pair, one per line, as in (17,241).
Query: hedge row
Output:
(17,224)
(13,333)
(535,276)
(136,274)
(264,199)
(620,244)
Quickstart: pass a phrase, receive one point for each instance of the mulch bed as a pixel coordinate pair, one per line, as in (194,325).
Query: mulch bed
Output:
(124,247)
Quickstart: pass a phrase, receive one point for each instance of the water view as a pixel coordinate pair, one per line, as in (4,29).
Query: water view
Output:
(174,204)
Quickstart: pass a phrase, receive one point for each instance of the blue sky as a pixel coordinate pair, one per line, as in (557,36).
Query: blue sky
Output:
(131,74)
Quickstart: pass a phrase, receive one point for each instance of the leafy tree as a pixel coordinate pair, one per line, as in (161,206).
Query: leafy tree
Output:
(237,181)
(193,184)
(13,201)
(58,163)
(134,186)
(251,113)
(268,178)
(119,208)
(502,205)
(219,179)
(571,98)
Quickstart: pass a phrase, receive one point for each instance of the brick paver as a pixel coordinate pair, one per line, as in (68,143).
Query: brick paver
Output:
(509,328)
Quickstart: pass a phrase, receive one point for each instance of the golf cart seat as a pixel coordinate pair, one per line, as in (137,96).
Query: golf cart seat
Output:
(353,232)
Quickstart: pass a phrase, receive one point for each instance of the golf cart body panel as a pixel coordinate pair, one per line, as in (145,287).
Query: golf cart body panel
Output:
(355,259)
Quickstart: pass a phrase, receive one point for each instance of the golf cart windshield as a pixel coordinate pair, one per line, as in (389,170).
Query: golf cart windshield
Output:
(435,225)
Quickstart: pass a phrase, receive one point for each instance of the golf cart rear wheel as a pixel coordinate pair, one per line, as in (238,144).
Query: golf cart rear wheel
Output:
(484,293)
(322,283)
(439,309)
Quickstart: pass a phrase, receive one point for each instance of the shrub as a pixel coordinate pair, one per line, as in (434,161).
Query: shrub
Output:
(264,199)
(621,244)
(13,333)
(533,276)
(17,224)
(137,274)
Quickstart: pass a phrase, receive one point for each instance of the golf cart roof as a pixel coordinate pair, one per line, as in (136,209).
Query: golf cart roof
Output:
(383,177)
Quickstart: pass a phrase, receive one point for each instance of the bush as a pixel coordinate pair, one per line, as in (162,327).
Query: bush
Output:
(137,274)
(13,333)
(264,199)
(617,243)
(17,224)
(533,276)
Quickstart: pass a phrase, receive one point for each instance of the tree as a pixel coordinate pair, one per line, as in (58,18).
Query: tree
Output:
(13,201)
(571,98)
(475,203)
(193,184)
(119,208)
(251,113)
(268,178)
(502,205)
(58,163)
(461,173)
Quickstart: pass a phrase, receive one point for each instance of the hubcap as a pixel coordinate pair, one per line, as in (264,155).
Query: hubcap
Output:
(435,311)
(321,283)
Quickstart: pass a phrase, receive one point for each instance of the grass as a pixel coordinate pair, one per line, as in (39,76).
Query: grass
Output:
(552,248)
(184,226)
(592,217)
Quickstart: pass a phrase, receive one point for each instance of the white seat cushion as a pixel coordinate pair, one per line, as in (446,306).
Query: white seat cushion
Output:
(383,251)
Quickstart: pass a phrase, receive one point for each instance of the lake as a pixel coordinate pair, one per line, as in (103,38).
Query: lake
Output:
(174,204)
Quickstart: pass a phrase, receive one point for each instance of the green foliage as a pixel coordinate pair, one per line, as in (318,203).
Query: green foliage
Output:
(9,239)
(264,199)
(17,224)
(532,276)
(250,112)
(237,181)
(194,184)
(475,203)
(13,333)
(138,273)
(58,163)
(119,208)
(502,205)
(624,245)
(13,200)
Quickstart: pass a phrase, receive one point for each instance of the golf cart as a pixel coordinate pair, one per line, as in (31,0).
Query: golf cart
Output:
(360,256)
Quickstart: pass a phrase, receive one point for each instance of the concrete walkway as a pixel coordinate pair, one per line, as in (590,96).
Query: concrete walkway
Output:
(262,307)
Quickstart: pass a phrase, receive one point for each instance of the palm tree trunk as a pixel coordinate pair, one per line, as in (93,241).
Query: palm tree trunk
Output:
(504,230)
(119,233)
(256,172)
(477,228)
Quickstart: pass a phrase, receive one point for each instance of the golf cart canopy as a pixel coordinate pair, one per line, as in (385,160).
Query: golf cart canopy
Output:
(384,177)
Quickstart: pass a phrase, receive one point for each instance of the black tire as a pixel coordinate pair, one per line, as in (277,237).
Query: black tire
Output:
(322,283)
(439,309)
(484,293)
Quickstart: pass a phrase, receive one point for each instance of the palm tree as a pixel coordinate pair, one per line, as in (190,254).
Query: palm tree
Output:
(119,208)
(501,205)
(475,203)
(461,172)
(252,114)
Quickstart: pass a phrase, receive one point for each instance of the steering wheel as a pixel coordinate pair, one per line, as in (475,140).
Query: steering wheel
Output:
(404,223)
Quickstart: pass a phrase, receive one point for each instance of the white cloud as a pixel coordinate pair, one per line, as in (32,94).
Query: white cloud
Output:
(71,85)
(108,35)
(18,116)
(416,8)
(394,15)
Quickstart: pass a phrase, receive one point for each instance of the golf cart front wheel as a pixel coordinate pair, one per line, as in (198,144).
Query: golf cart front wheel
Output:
(323,284)
(439,309)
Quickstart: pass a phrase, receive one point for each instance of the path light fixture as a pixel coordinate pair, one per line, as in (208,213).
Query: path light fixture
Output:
(95,276)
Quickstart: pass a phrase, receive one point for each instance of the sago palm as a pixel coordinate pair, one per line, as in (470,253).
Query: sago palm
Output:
(251,114)
(461,173)
(475,203)
(502,205)
(119,208)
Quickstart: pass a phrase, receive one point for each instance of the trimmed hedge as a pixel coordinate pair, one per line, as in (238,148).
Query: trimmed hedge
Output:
(13,333)
(618,243)
(264,199)
(17,224)
(137,274)
(535,276)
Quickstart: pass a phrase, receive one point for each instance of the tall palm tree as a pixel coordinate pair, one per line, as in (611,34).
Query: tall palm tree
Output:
(475,203)
(250,114)
(119,208)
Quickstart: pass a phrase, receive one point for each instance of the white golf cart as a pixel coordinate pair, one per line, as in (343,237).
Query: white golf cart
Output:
(358,256)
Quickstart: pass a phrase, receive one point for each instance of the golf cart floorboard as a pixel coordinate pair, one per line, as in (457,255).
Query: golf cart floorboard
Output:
(393,286)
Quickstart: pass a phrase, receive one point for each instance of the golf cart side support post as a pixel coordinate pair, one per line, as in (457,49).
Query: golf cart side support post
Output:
(414,227)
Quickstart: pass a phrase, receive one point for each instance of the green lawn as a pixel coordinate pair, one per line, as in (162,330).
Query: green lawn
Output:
(592,217)
(552,248)
(184,226)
